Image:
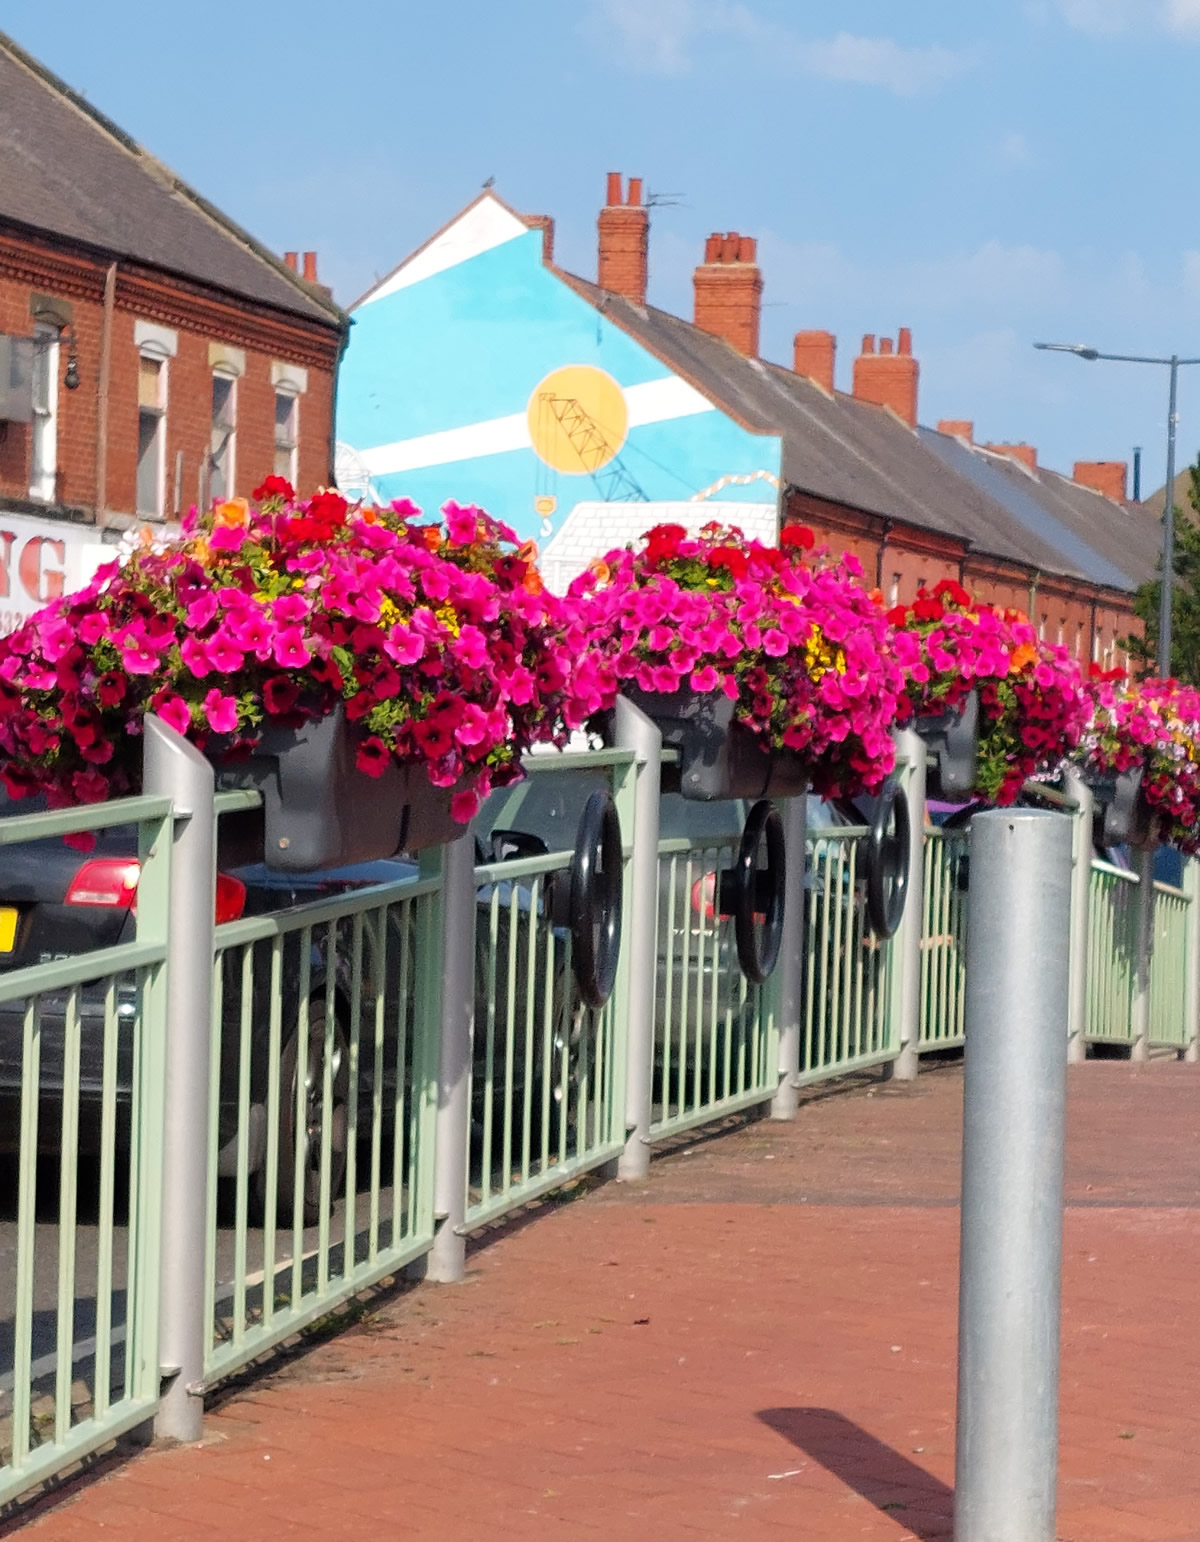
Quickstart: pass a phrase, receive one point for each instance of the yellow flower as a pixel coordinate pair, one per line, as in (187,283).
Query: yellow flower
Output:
(233,512)
(448,616)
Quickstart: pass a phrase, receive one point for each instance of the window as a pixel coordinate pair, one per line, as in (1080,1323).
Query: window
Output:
(287,434)
(43,474)
(894,591)
(152,434)
(224,436)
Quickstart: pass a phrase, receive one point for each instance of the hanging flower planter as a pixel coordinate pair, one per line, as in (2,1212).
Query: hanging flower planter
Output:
(373,675)
(980,676)
(1139,756)
(767,672)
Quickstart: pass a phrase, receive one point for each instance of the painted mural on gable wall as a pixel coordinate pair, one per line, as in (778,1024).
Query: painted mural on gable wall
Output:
(475,373)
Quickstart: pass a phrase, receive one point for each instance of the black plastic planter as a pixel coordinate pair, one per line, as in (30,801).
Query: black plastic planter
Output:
(952,739)
(718,758)
(319,810)
(1122,817)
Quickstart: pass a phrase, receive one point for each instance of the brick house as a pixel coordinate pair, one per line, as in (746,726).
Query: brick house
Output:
(152,354)
(480,370)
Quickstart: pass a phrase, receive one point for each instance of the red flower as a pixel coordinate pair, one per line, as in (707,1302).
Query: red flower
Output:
(898,615)
(280,694)
(328,507)
(729,557)
(373,756)
(929,610)
(949,589)
(663,542)
(110,689)
(274,487)
(797,537)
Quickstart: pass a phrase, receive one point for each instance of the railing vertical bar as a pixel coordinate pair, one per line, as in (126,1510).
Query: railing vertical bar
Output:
(270,1185)
(379,948)
(325,1203)
(26,1232)
(299,1095)
(102,1379)
(64,1337)
(241,1218)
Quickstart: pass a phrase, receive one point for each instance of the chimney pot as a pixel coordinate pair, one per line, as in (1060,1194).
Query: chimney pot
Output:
(1104,476)
(293,260)
(960,428)
(813,355)
(904,342)
(310,267)
(624,233)
(728,288)
(887,378)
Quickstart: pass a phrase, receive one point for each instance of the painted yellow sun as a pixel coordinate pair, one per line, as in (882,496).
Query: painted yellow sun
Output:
(577,419)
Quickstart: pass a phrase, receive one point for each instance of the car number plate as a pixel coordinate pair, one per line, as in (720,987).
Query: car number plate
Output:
(8,929)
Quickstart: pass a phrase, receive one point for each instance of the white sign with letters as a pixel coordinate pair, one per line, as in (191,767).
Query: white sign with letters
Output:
(41,559)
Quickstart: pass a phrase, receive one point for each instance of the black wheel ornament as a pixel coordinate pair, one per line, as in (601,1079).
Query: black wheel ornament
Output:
(888,856)
(758,893)
(597,882)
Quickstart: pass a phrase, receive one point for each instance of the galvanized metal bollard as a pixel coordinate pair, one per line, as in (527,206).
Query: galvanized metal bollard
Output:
(1143,955)
(791,959)
(1081,898)
(447,1260)
(636,732)
(1014,1111)
(906,945)
(175,769)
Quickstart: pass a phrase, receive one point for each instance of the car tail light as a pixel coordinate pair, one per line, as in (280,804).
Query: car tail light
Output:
(704,896)
(231,898)
(110,882)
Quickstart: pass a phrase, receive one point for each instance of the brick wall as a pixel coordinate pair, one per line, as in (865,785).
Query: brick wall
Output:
(199,318)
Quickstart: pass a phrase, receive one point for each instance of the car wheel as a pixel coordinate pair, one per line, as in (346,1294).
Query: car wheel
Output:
(313,1133)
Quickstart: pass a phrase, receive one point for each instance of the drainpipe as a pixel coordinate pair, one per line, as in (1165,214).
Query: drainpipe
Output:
(106,332)
(337,370)
(888,526)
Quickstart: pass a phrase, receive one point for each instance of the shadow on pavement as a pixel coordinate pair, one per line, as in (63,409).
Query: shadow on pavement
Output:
(893,1484)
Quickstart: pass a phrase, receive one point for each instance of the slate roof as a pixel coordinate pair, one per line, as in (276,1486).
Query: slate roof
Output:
(67,170)
(853,453)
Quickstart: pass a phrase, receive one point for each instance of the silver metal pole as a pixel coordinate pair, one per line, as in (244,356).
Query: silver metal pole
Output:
(175,769)
(1191,884)
(906,945)
(447,1259)
(636,732)
(1167,593)
(1143,955)
(791,958)
(1081,895)
(1014,1111)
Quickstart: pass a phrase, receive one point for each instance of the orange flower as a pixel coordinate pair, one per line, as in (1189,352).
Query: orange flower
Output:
(368,514)
(433,537)
(1022,658)
(877,597)
(233,512)
(527,551)
(532,582)
(200,550)
(599,570)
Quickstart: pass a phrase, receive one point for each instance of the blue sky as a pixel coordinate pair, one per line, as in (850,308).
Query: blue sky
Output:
(988,173)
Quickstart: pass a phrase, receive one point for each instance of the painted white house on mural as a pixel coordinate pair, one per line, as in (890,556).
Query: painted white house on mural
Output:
(480,372)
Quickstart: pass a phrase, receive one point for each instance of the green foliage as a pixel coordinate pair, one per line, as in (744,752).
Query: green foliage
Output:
(1185,619)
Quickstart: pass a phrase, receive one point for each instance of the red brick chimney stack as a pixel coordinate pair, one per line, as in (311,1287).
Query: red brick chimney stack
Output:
(889,378)
(624,239)
(814,356)
(1025,453)
(1104,476)
(960,428)
(729,291)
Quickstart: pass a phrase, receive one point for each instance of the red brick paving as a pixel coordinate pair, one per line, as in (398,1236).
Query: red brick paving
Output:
(758,1343)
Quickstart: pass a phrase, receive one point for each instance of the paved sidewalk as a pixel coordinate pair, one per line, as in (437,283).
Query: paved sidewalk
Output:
(758,1343)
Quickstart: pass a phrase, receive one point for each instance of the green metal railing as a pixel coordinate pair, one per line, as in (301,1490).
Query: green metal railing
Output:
(322,1099)
(715,1034)
(1169,968)
(848,1007)
(81,1294)
(1111,962)
(943,940)
(547,1084)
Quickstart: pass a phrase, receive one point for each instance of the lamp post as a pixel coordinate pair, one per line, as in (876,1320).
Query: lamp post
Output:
(1167,592)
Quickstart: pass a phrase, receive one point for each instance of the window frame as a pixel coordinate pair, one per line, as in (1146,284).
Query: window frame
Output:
(159,413)
(229,446)
(43,430)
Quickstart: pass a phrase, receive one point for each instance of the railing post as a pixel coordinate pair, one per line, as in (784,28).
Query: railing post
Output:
(790,987)
(1191,885)
(906,944)
(1081,895)
(175,769)
(1014,1118)
(636,732)
(447,1259)
(1143,953)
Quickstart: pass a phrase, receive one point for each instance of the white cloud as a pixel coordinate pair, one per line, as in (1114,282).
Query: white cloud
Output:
(659,36)
(1108,18)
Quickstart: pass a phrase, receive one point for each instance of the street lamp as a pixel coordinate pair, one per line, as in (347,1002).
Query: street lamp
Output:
(1167,593)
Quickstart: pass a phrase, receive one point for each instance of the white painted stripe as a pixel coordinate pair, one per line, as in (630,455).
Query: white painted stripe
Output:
(487,225)
(657,401)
